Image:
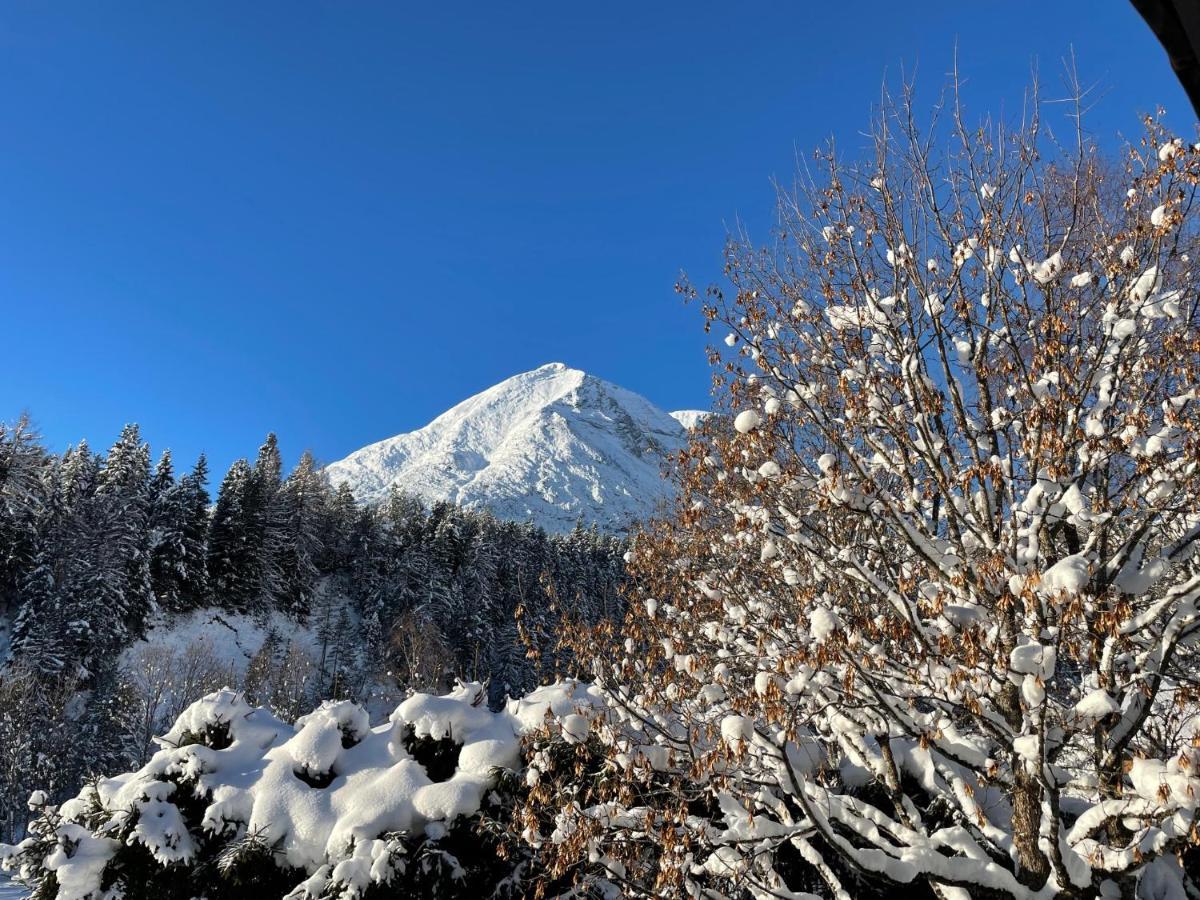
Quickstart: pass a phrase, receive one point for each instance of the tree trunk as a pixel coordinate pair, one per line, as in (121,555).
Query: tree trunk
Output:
(1026,822)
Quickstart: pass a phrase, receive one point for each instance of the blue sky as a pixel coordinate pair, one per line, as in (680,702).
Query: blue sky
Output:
(335,220)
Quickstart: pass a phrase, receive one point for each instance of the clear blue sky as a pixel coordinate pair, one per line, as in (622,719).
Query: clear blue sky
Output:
(335,220)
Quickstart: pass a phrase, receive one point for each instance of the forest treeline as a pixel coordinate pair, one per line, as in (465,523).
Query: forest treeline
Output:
(96,547)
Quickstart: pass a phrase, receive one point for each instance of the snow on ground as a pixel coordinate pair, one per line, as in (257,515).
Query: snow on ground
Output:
(208,648)
(232,638)
(10,891)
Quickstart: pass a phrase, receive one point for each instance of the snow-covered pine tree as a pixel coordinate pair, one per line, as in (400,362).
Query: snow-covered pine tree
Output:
(233,555)
(166,539)
(78,477)
(178,534)
(103,725)
(87,588)
(267,531)
(327,808)
(342,529)
(345,674)
(479,603)
(193,560)
(380,579)
(299,520)
(38,751)
(42,632)
(442,598)
(24,473)
(244,536)
(117,596)
(268,469)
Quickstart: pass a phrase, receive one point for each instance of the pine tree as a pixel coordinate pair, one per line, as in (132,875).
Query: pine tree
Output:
(443,602)
(341,663)
(120,538)
(37,641)
(79,475)
(166,536)
(299,523)
(268,469)
(103,724)
(264,519)
(233,555)
(478,601)
(193,561)
(340,531)
(24,467)
(46,628)
(391,571)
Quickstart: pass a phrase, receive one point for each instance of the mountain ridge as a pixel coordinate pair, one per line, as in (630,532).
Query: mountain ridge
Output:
(554,445)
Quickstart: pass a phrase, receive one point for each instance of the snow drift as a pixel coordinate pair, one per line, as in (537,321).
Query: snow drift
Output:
(333,803)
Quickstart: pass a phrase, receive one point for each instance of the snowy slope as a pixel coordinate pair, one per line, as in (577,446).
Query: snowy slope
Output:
(228,639)
(553,446)
(690,418)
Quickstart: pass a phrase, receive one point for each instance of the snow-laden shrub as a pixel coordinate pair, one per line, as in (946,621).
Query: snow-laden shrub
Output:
(237,799)
(926,622)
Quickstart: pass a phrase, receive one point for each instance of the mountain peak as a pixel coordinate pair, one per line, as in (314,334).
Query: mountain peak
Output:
(554,445)
(690,418)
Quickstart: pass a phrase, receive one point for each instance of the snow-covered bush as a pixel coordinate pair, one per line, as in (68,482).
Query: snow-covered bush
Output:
(927,616)
(328,807)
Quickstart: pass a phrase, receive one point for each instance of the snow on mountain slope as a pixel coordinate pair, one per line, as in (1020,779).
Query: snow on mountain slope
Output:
(690,418)
(553,446)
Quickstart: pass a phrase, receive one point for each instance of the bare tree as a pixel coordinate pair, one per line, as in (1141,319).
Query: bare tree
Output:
(927,613)
(165,680)
(282,676)
(418,658)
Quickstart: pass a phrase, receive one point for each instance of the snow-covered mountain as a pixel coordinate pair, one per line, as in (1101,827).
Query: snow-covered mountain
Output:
(690,418)
(552,446)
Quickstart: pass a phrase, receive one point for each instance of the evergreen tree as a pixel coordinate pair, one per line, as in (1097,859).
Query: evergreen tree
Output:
(79,475)
(268,469)
(193,503)
(120,539)
(161,483)
(89,544)
(340,529)
(299,523)
(38,639)
(264,518)
(256,684)
(233,555)
(167,550)
(104,729)
(23,470)
(46,629)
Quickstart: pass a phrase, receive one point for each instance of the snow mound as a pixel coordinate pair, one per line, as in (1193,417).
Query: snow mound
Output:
(329,794)
(552,446)
(222,711)
(1067,576)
